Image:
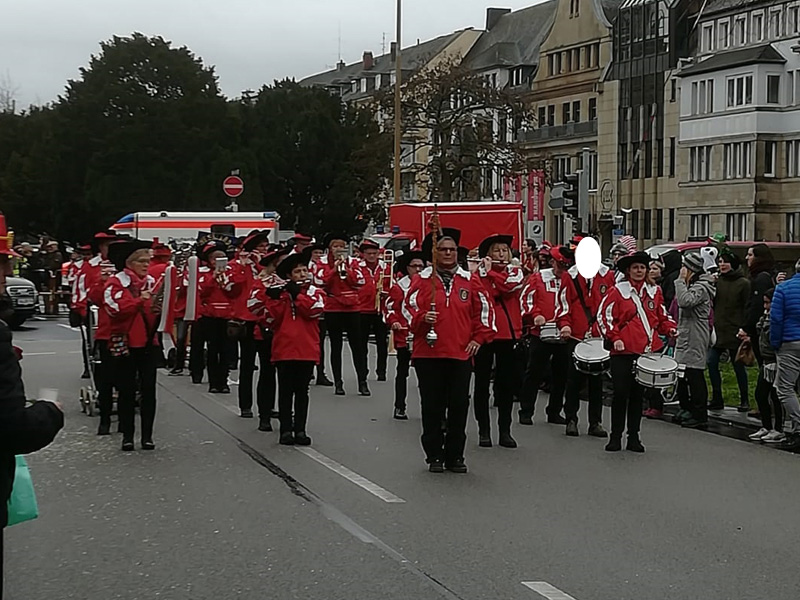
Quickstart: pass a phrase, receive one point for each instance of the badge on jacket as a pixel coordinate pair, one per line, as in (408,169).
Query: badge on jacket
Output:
(603,288)
(651,305)
(464,295)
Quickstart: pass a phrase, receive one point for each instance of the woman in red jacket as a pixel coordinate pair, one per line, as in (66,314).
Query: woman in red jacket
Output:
(217,306)
(630,317)
(295,310)
(503,282)
(133,344)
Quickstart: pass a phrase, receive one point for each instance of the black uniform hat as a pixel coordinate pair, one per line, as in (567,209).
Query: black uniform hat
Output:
(369,245)
(288,265)
(336,235)
(634,258)
(253,239)
(120,252)
(401,265)
(211,246)
(273,255)
(497,238)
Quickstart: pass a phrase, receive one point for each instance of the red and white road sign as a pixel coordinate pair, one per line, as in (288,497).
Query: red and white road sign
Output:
(233,186)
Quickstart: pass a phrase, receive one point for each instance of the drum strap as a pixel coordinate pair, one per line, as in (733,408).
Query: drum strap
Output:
(589,316)
(643,318)
(508,316)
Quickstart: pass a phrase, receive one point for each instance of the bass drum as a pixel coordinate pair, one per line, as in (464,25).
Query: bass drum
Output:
(591,358)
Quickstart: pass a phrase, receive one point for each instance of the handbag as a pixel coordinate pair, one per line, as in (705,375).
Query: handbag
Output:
(22,504)
(745,355)
(237,330)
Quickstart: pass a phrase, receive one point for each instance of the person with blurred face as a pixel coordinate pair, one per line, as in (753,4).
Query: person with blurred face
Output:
(216,306)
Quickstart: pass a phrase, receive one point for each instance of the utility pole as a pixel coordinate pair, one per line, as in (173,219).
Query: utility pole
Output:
(398,104)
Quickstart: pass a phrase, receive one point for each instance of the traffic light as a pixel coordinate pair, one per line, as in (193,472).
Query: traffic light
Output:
(572,193)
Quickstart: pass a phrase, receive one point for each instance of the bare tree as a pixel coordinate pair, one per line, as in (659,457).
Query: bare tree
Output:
(8,94)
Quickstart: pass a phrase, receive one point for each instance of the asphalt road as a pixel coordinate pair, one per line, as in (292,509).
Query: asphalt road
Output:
(220,510)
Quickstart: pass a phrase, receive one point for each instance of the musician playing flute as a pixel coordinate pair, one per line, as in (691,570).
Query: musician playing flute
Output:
(372,297)
(160,259)
(631,317)
(503,282)
(451,318)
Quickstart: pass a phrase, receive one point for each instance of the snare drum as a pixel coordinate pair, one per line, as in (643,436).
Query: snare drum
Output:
(770,372)
(591,358)
(550,334)
(656,371)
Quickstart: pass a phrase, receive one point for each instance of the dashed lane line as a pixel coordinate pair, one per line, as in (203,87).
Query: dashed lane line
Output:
(546,590)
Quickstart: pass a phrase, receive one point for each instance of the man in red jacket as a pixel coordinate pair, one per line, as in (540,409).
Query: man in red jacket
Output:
(503,282)
(218,303)
(341,277)
(539,308)
(576,317)
(455,305)
(371,300)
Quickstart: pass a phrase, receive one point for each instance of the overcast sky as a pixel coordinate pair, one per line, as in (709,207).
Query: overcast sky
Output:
(250,42)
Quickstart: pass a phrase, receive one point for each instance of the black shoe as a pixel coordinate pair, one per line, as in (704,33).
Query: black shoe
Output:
(572,429)
(148,445)
(127,446)
(695,424)
(506,441)
(382,377)
(225,390)
(525,420)
(436,466)
(85,375)
(716,407)
(634,444)
(363,389)
(614,444)
(556,420)
(301,439)
(324,381)
(287,439)
(743,408)
(792,442)
(214,390)
(264,425)
(681,416)
(175,372)
(274,414)
(597,430)
(457,466)
(339,389)
(104,428)
(246,414)
(400,414)
(197,380)
(484,440)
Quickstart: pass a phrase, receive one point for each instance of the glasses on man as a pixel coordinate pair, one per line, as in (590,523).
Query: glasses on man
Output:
(448,250)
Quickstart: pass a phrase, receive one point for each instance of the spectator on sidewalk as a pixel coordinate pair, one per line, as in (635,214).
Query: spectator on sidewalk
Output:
(785,339)
(733,292)
(766,396)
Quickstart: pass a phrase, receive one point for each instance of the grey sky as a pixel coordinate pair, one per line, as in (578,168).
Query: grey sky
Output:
(251,42)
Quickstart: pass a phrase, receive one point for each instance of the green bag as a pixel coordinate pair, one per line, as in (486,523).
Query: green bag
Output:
(22,504)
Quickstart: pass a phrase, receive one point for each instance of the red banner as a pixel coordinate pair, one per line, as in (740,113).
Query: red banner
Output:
(529,190)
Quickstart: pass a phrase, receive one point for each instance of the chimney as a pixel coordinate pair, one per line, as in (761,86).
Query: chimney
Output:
(369,61)
(493,16)
(340,65)
(393,51)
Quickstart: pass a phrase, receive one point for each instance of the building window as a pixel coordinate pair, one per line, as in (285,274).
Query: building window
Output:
(775,29)
(542,116)
(671,236)
(699,225)
(596,55)
(757,30)
(635,223)
(648,224)
(672,157)
(517,77)
(558,63)
(576,111)
(635,159)
(568,61)
(563,166)
(593,108)
(565,113)
(773,89)
(703,97)
(724,31)
(793,158)
(551,115)
(737,160)
(673,90)
(648,158)
(791,227)
(770,158)
(576,59)
(740,30)
(623,161)
(593,171)
(740,91)
(700,163)
(736,227)
(793,20)
(574,8)
(551,65)
(659,223)
(707,40)
(660,159)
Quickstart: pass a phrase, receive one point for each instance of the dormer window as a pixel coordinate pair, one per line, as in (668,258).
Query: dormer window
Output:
(517,77)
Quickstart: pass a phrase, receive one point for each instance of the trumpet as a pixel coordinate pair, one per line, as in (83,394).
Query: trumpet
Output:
(388,257)
(432,337)
(342,267)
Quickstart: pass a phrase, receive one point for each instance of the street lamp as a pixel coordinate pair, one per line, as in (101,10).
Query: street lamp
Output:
(398,131)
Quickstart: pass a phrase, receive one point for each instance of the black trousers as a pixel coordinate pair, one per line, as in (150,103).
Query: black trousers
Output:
(266,388)
(628,394)
(338,323)
(539,359)
(769,406)
(86,339)
(182,335)
(140,363)
(575,382)
(323,331)
(401,378)
(104,380)
(374,324)
(293,381)
(693,394)
(197,350)
(444,394)
(215,334)
(499,354)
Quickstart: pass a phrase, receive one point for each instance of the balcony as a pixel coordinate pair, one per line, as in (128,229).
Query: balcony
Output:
(560,132)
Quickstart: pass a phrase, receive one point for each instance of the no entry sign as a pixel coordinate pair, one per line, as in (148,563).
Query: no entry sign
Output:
(233,186)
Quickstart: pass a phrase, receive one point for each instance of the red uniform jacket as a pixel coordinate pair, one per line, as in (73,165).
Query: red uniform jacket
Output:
(72,277)
(619,318)
(157,269)
(216,301)
(396,311)
(181,293)
(296,324)
(239,277)
(570,312)
(103,319)
(368,291)
(539,298)
(465,314)
(504,287)
(342,295)
(88,275)
(128,312)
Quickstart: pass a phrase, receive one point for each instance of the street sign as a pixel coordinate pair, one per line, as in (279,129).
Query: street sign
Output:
(233,186)
(556,197)
(616,234)
(536,231)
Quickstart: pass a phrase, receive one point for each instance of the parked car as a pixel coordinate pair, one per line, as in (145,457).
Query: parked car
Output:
(24,298)
(785,253)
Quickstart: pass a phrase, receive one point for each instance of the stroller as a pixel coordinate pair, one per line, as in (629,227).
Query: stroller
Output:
(89,395)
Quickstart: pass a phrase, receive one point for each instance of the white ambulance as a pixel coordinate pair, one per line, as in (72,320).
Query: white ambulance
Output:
(169,226)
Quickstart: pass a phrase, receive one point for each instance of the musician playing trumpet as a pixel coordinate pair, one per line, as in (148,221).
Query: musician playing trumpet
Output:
(372,297)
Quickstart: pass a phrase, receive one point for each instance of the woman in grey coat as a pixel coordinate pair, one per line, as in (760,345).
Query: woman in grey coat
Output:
(694,293)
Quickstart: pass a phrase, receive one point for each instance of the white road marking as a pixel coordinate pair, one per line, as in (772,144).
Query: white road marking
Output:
(546,590)
(27,354)
(68,327)
(362,482)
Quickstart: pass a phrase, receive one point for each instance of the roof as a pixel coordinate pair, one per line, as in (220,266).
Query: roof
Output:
(414,58)
(717,6)
(515,38)
(735,58)
(610,8)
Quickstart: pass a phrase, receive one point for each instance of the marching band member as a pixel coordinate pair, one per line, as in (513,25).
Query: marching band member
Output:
(132,342)
(576,318)
(159,261)
(544,255)
(181,325)
(103,373)
(529,258)
(299,243)
(217,306)
(503,282)
(341,278)
(630,319)
(539,300)
(409,265)
(296,309)
(446,299)
(372,296)
(313,254)
(264,334)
